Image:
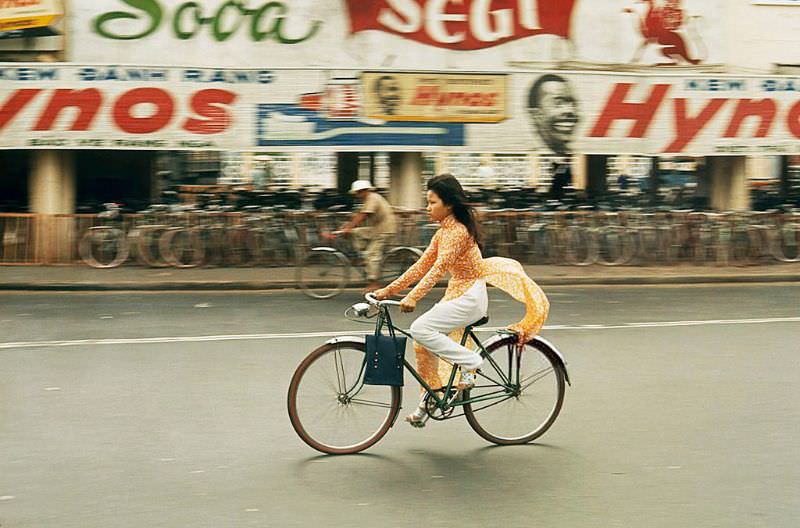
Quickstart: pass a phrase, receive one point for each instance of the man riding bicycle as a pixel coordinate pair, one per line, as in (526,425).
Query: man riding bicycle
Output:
(378,227)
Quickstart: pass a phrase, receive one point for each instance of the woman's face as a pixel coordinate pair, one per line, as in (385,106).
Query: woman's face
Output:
(437,210)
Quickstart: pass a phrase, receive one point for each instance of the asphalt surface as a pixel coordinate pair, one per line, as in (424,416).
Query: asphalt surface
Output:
(146,409)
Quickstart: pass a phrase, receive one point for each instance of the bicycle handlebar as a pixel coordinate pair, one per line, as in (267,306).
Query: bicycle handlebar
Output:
(372,300)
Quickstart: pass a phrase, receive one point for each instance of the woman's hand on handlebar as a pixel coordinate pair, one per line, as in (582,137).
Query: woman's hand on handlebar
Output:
(407,305)
(381,294)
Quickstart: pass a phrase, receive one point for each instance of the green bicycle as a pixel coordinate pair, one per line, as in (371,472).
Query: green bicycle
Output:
(517,397)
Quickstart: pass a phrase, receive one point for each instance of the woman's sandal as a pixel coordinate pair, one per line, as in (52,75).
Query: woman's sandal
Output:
(418,418)
(420,415)
(467,380)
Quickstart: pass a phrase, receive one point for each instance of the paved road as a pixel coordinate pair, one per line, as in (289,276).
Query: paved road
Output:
(168,410)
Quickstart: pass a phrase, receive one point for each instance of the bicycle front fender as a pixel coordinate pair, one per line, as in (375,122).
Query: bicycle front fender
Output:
(346,339)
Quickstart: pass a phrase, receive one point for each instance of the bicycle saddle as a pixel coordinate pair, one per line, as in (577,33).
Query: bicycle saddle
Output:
(482,321)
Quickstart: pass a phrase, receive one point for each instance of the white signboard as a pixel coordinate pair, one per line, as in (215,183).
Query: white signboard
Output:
(463,35)
(113,107)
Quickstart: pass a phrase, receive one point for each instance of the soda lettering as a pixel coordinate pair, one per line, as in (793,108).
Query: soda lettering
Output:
(188,20)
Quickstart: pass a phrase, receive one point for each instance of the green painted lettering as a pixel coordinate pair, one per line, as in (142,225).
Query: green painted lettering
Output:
(219,34)
(266,22)
(177,19)
(151,8)
(275,24)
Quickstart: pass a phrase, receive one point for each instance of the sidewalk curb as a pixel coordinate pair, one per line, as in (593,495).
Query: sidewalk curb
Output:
(279,285)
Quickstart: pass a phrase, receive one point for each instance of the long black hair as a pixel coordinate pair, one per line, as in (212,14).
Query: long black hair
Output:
(449,190)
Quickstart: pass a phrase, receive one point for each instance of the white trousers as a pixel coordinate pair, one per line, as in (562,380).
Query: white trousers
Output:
(431,328)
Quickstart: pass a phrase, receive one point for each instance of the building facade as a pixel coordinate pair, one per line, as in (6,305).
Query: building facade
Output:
(500,92)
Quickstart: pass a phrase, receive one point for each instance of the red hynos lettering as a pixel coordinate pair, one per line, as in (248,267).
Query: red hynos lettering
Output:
(127,122)
(87,101)
(210,105)
(15,103)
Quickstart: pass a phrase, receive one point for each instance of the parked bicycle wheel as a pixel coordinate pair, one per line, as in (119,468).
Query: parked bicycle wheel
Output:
(331,409)
(323,273)
(396,261)
(580,249)
(104,247)
(615,245)
(537,379)
(148,248)
(786,244)
(182,247)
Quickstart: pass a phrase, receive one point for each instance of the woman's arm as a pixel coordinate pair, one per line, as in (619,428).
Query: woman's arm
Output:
(452,243)
(417,270)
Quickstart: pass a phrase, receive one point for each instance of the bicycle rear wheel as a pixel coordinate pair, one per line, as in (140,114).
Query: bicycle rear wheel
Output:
(323,273)
(330,407)
(537,382)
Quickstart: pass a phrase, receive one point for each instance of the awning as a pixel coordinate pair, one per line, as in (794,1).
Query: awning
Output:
(25,14)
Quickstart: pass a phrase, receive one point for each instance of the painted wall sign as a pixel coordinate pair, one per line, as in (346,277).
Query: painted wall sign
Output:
(453,35)
(123,107)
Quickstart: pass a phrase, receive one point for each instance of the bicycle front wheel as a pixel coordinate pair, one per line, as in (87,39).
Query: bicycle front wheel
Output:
(330,407)
(532,400)
(323,273)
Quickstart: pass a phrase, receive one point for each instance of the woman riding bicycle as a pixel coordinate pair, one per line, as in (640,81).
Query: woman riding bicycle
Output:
(455,248)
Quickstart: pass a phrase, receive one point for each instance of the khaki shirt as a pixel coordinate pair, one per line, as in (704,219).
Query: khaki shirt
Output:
(381,216)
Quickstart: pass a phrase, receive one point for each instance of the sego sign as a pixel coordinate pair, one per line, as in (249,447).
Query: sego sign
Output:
(191,18)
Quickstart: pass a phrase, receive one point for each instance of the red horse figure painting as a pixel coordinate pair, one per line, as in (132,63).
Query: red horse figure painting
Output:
(659,25)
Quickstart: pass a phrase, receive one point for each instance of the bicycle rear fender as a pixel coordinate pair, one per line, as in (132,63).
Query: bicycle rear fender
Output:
(325,248)
(541,343)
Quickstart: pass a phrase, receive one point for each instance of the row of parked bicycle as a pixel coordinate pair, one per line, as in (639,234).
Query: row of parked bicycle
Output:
(614,238)
(188,236)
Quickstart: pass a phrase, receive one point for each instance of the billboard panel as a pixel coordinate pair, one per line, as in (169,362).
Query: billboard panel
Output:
(118,107)
(464,35)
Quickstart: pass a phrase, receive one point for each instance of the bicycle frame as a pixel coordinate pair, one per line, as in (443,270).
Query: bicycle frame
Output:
(507,387)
